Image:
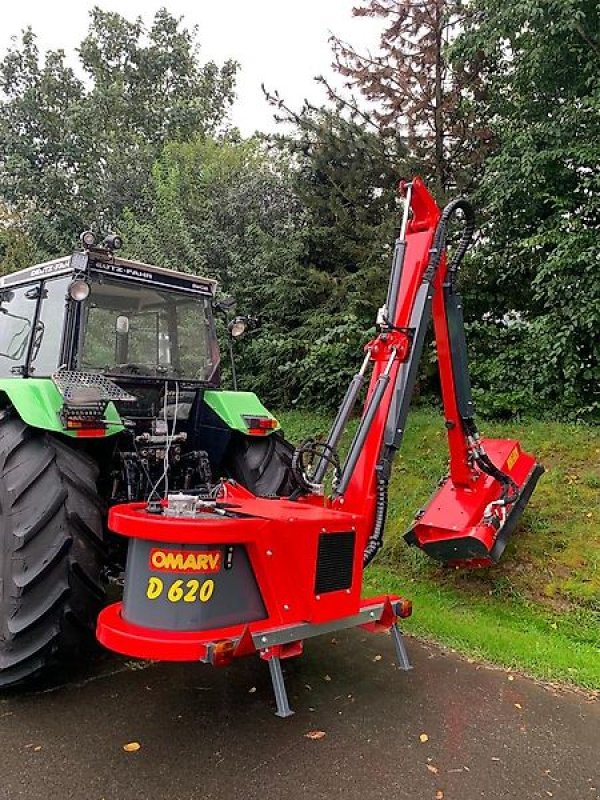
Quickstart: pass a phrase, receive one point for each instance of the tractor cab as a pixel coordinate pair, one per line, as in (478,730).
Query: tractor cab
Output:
(125,355)
(100,314)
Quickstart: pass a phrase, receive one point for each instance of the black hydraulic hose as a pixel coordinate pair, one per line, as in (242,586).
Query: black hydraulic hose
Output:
(375,540)
(441,234)
(510,490)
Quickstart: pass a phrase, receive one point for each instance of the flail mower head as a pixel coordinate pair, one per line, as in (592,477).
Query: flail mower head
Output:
(471,525)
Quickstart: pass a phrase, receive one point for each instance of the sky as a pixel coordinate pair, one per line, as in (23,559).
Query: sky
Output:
(281,43)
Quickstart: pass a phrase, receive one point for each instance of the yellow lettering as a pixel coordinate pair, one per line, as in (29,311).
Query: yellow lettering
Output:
(192,587)
(184,561)
(175,592)
(206,591)
(155,587)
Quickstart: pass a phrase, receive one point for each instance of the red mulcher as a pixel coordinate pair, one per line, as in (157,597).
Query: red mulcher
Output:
(216,578)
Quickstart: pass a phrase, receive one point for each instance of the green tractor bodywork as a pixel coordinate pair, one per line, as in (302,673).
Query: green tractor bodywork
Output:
(236,409)
(38,403)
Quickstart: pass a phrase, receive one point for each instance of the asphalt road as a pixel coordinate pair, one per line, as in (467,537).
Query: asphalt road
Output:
(207,733)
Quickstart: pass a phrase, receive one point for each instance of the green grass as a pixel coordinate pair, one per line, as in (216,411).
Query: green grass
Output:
(539,609)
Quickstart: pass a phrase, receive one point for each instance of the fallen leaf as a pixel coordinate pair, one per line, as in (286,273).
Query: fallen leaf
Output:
(433,769)
(423,738)
(518,705)
(131,747)
(315,735)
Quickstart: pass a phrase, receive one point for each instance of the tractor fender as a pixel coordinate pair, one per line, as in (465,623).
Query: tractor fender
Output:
(238,409)
(38,402)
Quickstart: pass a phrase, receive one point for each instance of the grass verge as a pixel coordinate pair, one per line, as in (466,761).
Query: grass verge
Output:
(539,609)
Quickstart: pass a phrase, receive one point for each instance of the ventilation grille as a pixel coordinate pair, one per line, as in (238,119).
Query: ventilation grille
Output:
(334,562)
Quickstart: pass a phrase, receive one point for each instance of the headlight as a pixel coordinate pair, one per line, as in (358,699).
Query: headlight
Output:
(79,290)
(87,239)
(237,327)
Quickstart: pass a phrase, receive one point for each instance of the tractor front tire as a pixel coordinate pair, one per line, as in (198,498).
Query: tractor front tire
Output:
(51,549)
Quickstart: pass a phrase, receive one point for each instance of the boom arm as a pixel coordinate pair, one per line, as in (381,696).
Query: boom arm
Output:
(422,284)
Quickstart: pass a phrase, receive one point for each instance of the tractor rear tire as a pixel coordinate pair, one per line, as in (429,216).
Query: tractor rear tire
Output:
(51,550)
(263,465)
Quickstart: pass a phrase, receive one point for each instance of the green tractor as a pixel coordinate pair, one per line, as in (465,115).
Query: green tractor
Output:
(109,393)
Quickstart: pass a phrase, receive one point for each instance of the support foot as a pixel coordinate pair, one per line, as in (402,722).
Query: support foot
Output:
(279,690)
(400,648)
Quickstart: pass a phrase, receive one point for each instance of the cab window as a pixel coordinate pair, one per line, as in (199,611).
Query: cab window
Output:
(47,338)
(17,312)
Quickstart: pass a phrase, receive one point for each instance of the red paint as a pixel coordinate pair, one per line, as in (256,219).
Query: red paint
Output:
(133,640)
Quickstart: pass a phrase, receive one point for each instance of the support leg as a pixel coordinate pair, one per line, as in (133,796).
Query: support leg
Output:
(400,648)
(279,690)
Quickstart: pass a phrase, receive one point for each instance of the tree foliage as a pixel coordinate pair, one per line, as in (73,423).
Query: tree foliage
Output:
(345,179)
(537,269)
(77,148)
(413,90)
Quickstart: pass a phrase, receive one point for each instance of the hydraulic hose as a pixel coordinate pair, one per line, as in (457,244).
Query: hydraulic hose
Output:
(441,235)
(375,540)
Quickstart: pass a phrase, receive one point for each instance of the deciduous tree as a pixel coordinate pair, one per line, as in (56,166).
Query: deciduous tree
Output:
(538,265)
(77,146)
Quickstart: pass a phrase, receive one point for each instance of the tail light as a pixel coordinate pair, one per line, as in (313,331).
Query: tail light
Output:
(259,426)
